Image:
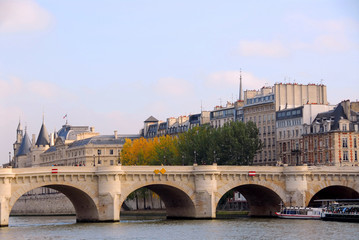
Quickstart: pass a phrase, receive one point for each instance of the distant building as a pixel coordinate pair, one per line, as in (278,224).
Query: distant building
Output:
(289,129)
(292,95)
(173,126)
(222,115)
(259,107)
(70,146)
(332,138)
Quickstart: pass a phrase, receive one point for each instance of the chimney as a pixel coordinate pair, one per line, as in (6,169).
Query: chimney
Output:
(52,141)
(115,132)
(346,107)
(33,140)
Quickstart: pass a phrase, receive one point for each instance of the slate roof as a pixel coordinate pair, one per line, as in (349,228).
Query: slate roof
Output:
(335,116)
(68,132)
(25,146)
(101,140)
(43,138)
(151,119)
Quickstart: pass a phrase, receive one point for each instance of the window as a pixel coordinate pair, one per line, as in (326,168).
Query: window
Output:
(315,143)
(111,151)
(345,142)
(355,142)
(355,156)
(111,162)
(327,157)
(98,152)
(344,127)
(345,156)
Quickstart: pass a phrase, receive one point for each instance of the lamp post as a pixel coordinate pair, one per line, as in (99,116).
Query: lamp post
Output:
(214,157)
(164,160)
(195,157)
(9,159)
(182,160)
(94,160)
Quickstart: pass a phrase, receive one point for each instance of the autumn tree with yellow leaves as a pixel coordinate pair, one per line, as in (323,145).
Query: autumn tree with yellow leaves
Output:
(155,151)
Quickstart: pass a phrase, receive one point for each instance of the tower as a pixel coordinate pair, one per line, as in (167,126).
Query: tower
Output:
(19,138)
(240,86)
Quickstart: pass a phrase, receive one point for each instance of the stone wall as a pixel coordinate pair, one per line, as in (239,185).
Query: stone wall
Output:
(43,204)
(59,204)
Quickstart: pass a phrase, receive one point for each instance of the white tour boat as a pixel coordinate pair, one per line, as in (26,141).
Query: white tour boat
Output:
(300,213)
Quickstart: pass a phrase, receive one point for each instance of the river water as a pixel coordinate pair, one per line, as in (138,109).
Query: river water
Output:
(242,228)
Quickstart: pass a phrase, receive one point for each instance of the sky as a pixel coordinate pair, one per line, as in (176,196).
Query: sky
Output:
(113,63)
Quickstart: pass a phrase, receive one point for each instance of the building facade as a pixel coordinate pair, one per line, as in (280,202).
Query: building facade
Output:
(332,138)
(70,146)
(289,130)
(259,108)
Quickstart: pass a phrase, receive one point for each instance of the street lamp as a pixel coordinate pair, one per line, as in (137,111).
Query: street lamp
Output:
(94,160)
(214,157)
(164,160)
(195,157)
(182,160)
(9,159)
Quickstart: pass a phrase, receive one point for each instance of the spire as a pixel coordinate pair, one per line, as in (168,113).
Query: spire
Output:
(25,145)
(19,126)
(43,138)
(240,84)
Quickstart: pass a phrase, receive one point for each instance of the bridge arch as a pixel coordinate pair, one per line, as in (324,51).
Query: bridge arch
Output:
(179,201)
(83,201)
(263,199)
(333,192)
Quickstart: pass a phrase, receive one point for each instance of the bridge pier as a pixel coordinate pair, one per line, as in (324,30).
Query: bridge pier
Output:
(5,195)
(4,211)
(296,185)
(206,187)
(109,193)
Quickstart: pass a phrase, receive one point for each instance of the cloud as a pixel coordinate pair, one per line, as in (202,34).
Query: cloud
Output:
(43,89)
(263,49)
(23,16)
(173,87)
(230,79)
(319,36)
(15,87)
(328,25)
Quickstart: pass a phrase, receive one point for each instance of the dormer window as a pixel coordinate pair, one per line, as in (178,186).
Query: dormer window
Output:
(344,127)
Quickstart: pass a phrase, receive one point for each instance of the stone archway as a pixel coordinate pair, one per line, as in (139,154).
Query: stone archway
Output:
(178,204)
(85,206)
(333,192)
(262,200)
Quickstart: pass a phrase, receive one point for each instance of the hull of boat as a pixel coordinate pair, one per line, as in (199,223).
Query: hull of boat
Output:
(340,217)
(297,216)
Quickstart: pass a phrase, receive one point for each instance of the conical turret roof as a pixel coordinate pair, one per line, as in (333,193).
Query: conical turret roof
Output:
(25,146)
(43,138)
(19,127)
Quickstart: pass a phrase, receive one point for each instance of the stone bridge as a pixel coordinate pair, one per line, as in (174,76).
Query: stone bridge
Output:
(98,193)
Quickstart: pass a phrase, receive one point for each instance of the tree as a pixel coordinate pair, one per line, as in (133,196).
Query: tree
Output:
(233,144)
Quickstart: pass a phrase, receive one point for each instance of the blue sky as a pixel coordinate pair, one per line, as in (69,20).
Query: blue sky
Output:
(111,64)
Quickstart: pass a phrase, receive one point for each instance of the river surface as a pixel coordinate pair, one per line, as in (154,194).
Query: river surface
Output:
(242,228)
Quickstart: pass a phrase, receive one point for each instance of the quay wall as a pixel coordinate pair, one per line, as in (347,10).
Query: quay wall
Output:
(59,204)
